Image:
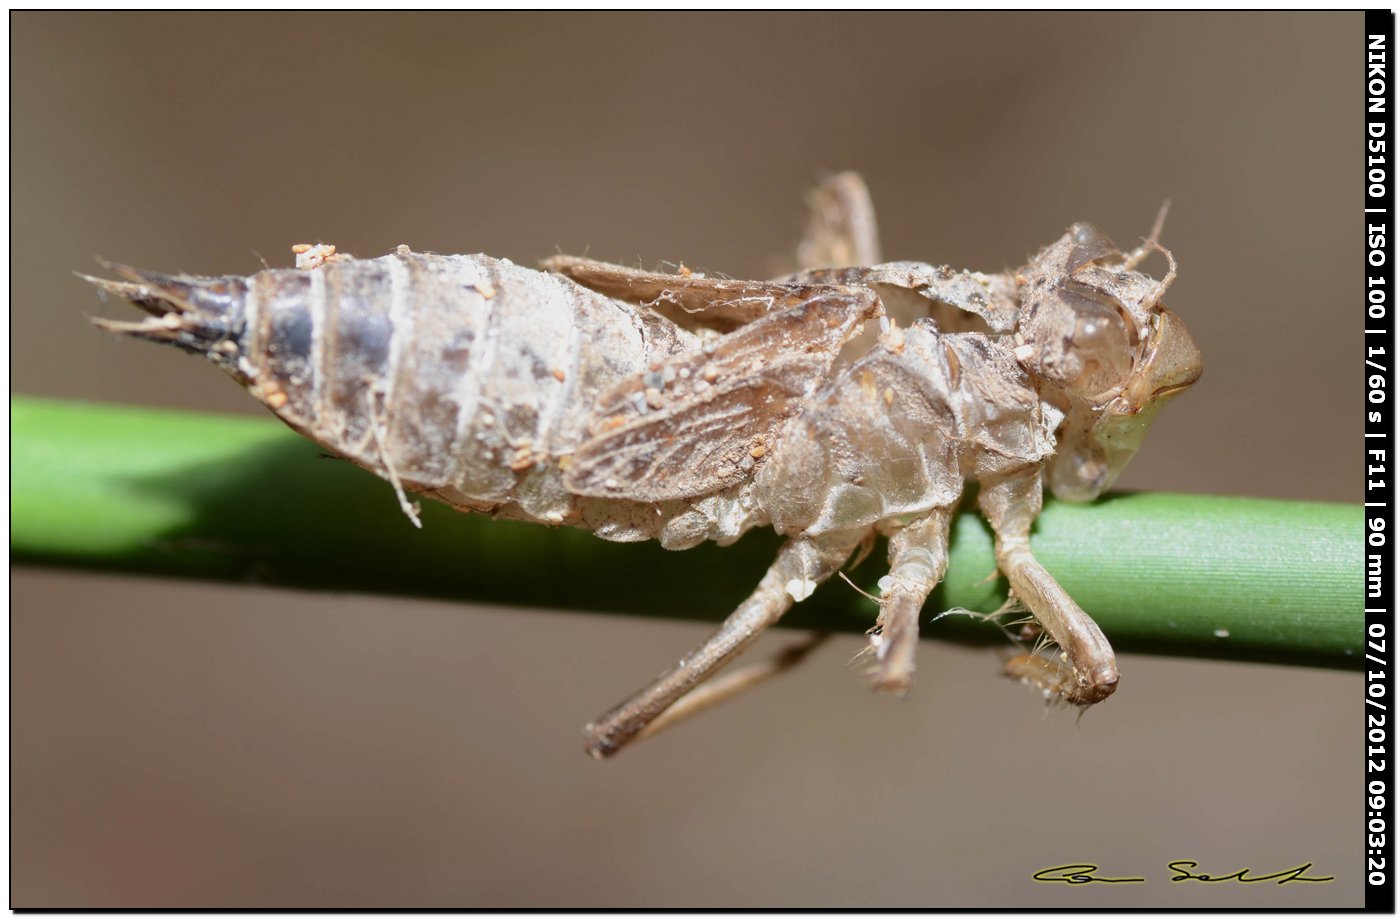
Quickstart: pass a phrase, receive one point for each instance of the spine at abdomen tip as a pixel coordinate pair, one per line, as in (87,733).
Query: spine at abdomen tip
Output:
(196,314)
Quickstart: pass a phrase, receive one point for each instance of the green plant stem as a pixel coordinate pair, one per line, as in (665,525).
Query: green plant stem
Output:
(244,499)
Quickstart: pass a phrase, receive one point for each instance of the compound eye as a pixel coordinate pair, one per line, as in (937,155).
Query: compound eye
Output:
(1099,353)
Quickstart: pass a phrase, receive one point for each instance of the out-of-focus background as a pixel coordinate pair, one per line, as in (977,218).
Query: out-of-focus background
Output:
(184,745)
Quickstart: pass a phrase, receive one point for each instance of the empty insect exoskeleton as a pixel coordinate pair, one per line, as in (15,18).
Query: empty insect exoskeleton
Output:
(685,408)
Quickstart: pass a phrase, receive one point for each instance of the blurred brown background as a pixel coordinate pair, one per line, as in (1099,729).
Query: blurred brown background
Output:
(179,744)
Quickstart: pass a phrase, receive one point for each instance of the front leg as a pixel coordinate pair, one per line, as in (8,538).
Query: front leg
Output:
(1011,503)
(801,565)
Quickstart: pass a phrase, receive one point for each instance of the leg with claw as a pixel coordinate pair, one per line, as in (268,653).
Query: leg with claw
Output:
(801,565)
(918,559)
(1011,503)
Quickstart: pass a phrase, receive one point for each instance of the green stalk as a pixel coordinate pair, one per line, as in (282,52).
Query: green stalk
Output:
(244,499)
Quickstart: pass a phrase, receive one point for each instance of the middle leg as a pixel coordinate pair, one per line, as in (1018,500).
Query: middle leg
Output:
(918,560)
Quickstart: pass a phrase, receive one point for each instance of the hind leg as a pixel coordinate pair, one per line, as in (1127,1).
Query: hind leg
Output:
(801,565)
(717,689)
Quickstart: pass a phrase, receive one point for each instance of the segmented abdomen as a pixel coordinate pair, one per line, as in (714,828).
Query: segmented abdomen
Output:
(465,377)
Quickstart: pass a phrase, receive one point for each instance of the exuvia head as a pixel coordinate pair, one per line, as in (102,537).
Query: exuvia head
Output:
(1095,336)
